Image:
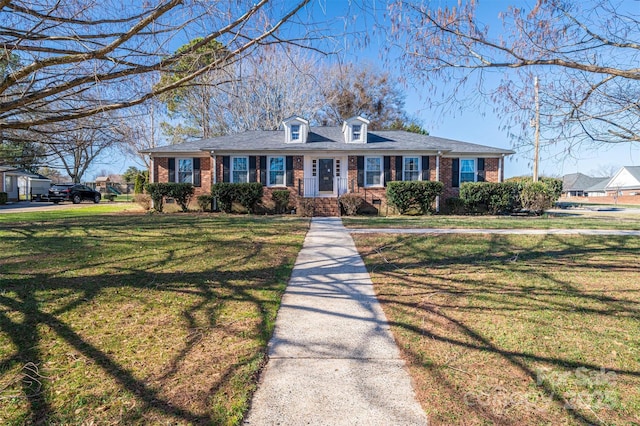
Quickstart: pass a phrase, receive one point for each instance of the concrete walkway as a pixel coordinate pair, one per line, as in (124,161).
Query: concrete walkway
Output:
(495,231)
(332,358)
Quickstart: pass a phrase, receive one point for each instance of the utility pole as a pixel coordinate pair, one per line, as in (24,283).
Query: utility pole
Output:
(536,141)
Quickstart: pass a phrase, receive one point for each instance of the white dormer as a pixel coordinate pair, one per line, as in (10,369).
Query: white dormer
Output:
(296,130)
(355,130)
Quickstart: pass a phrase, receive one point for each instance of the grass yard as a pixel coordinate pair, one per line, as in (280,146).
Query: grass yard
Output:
(137,319)
(514,329)
(591,221)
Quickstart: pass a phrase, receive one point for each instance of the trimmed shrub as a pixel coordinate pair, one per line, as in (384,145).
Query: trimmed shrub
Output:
(204,202)
(537,197)
(248,195)
(157,192)
(350,203)
(555,185)
(182,193)
(4,197)
(143,200)
(224,192)
(306,207)
(454,205)
(414,194)
(281,198)
(489,197)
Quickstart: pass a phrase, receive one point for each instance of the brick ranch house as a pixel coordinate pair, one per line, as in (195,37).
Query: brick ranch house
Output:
(326,162)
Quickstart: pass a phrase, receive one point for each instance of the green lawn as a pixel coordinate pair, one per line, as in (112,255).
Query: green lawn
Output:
(596,221)
(514,329)
(133,318)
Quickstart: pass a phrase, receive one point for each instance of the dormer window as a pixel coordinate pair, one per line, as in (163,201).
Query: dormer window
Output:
(356,132)
(295,132)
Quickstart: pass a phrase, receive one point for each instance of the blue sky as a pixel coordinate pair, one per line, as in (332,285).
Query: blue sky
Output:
(472,124)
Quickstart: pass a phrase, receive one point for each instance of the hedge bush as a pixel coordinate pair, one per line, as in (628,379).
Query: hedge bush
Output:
(281,199)
(413,194)
(511,196)
(537,197)
(490,197)
(181,192)
(4,197)
(246,194)
(144,200)
(350,203)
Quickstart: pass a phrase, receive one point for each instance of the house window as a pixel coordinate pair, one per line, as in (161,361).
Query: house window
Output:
(185,170)
(295,132)
(411,168)
(356,132)
(373,171)
(467,170)
(276,171)
(239,169)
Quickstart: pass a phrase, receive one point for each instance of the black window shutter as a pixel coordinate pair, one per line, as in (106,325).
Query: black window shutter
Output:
(252,168)
(289,169)
(360,165)
(398,167)
(263,169)
(225,168)
(480,170)
(425,167)
(172,169)
(196,172)
(387,169)
(455,172)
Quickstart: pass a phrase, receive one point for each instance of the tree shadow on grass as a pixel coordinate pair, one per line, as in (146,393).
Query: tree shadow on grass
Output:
(450,291)
(26,306)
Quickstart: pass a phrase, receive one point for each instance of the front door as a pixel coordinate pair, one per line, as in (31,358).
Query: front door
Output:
(325,168)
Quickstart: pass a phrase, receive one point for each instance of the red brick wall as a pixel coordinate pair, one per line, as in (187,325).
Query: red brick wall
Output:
(161,173)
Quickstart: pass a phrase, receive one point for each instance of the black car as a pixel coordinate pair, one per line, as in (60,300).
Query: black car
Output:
(73,192)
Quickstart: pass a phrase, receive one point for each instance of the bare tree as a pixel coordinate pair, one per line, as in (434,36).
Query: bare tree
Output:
(85,57)
(75,146)
(587,55)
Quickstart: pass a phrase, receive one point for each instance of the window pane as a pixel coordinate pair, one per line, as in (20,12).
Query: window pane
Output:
(467,166)
(411,168)
(467,170)
(356,131)
(185,170)
(373,164)
(276,171)
(240,170)
(295,132)
(373,169)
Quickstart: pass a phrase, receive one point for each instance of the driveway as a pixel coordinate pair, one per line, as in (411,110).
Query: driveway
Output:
(28,206)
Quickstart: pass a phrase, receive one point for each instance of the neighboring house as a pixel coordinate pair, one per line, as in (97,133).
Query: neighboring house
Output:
(598,190)
(326,162)
(577,184)
(625,182)
(22,185)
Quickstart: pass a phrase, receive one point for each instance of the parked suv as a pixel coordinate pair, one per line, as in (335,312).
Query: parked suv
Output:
(73,192)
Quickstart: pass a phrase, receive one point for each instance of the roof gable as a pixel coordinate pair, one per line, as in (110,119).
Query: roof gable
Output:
(626,177)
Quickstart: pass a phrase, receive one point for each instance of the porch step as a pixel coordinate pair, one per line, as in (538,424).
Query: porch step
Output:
(326,207)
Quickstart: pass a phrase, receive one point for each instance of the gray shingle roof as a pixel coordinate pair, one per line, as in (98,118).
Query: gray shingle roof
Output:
(600,186)
(580,182)
(323,139)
